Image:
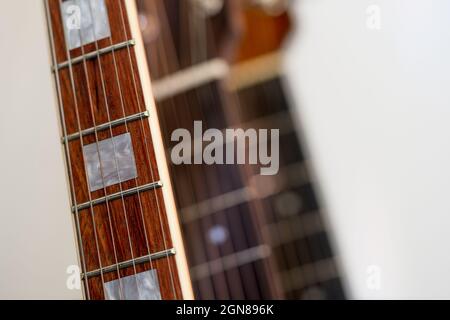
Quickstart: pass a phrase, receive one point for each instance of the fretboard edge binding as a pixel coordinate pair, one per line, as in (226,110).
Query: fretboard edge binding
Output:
(114,196)
(94,54)
(125,264)
(105,126)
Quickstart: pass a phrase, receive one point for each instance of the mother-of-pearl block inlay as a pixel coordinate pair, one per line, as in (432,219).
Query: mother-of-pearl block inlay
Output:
(141,286)
(84,21)
(110,161)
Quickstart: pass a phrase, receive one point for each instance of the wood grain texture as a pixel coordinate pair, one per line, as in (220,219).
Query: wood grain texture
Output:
(135,225)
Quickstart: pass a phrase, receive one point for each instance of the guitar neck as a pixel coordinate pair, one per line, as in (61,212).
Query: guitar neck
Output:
(228,259)
(295,226)
(124,216)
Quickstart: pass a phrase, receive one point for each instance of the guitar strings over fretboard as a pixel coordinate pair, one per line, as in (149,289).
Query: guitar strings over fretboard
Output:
(247,236)
(121,226)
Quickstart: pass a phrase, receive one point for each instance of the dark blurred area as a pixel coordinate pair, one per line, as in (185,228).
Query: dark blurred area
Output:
(247,236)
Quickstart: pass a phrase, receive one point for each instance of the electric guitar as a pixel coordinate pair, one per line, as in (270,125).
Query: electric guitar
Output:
(295,228)
(123,210)
(247,236)
(227,256)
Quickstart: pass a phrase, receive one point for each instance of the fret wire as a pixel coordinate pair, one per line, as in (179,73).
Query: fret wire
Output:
(82,143)
(147,153)
(129,263)
(95,54)
(105,126)
(197,54)
(317,272)
(190,78)
(135,179)
(66,149)
(246,277)
(250,73)
(234,260)
(304,174)
(156,8)
(113,143)
(238,196)
(285,255)
(73,87)
(311,224)
(281,120)
(94,224)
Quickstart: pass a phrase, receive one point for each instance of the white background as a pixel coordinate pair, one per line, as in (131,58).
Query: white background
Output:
(375,108)
(36,236)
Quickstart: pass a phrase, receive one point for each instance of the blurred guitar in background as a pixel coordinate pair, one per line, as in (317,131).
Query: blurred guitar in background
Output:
(298,236)
(247,236)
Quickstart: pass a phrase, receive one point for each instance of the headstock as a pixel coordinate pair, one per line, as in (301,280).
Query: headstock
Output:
(189,32)
(266,25)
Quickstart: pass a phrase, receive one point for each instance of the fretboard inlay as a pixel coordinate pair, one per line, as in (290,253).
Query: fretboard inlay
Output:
(110,161)
(85,21)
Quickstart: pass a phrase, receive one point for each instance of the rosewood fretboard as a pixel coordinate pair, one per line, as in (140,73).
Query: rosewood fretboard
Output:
(122,227)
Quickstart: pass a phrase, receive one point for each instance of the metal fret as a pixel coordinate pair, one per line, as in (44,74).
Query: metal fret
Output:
(256,71)
(105,126)
(228,262)
(189,78)
(309,274)
(130,263)
(117,195)
(279,120)
(293,175)
(294,228)
(94,54)
(215,204)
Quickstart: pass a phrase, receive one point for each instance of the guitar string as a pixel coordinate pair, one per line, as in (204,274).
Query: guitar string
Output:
(250,289)
(97,145)
(94,226)
(290,259)
(293,255)
(74,93)
(116,164)
(66,146)
(234,97)
(127,130)
(240,104)
(207,223)
(142,108)
(196,174)
(197,21)
(163,54)
(253,266)
(187,108)
(294,259)
(203,117)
